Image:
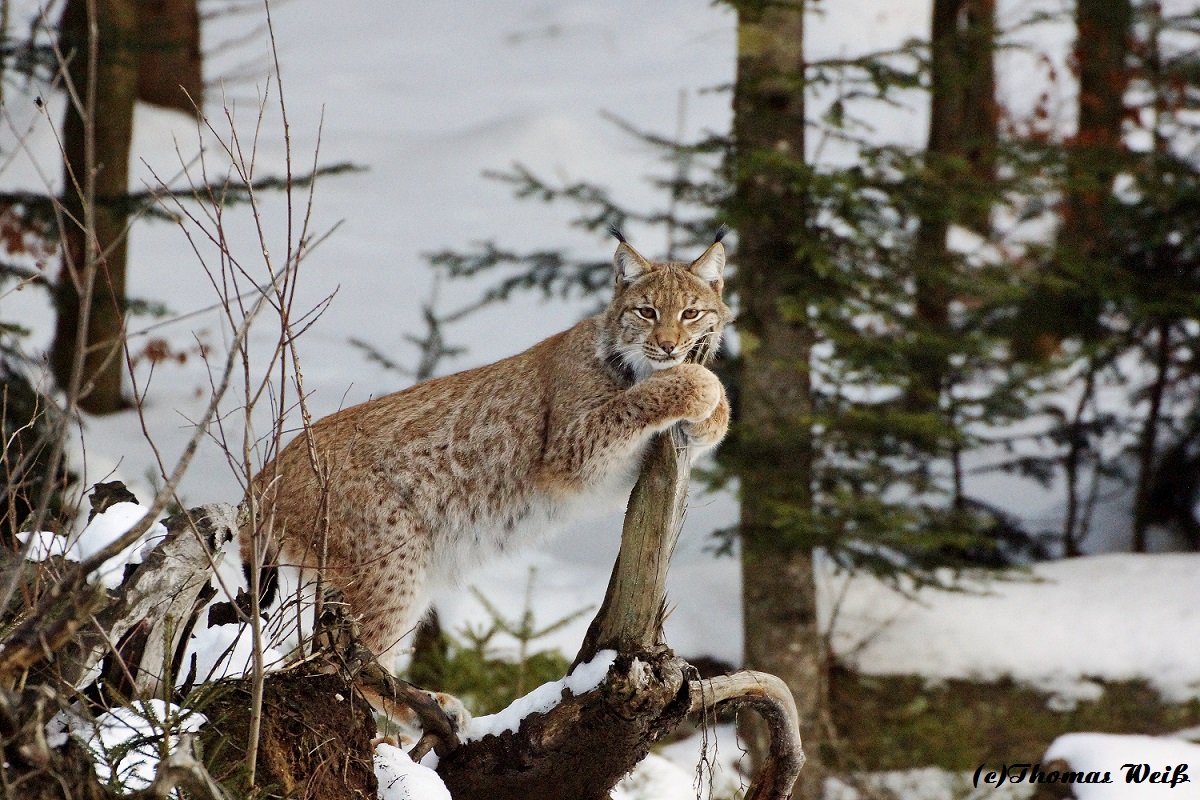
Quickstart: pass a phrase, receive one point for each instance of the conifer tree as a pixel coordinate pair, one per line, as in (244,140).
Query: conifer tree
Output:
(772,445)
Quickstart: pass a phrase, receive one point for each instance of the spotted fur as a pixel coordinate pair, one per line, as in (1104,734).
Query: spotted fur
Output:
(424,483)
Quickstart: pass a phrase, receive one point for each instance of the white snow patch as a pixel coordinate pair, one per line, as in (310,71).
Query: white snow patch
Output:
(1059,628)
(582,679)
(402,779)
(128,743)
(929,783)
(226,651)
(47,544)
(1103,752)
(108,526)
(656,778)
(105,528)
(711,758)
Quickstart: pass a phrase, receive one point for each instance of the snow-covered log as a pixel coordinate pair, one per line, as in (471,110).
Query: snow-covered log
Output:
(582,746)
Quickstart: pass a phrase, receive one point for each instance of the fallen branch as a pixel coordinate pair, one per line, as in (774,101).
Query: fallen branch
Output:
(771,698)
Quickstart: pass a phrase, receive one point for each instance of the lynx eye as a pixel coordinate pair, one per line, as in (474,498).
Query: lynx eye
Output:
(646,312)
(689,314)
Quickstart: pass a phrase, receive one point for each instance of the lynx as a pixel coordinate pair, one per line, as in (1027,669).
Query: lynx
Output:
(422,484)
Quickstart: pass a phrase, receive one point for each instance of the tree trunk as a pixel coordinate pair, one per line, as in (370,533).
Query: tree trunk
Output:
(170,68)
(959,158)
(583,746)
(772,442)
(1101,45)
(90,295)
(1143,510)
(1066,304)
(630,618)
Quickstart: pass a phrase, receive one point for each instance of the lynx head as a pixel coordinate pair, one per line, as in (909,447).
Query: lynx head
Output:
(662,311)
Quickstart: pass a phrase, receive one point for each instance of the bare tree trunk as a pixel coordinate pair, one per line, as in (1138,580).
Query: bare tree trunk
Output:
(1101,45)
(97,130)
(960,157)
(170,66)
(772,440)
(630,618)
(1148,443)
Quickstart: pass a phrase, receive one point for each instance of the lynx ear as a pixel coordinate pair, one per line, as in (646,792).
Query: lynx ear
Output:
(628,264)
(710,267)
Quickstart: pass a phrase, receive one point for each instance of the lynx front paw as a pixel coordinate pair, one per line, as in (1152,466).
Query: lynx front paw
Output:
(700,392)
(709,432)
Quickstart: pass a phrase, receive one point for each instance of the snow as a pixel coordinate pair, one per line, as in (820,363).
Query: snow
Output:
(712,759)
(128,742)
(218,652)
(658,778)
(1065,623)
(402,779)
(46,545)
(1109,753)
(583,678)
(105,528)
(225,651)
(929,783)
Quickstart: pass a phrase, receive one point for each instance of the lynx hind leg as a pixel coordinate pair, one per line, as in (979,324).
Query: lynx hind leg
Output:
(387,599)
(403,724)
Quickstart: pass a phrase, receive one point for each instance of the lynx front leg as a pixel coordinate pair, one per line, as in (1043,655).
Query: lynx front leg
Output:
(610,435)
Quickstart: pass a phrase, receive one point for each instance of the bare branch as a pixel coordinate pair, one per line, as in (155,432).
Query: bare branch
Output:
(630,619)
(771,698)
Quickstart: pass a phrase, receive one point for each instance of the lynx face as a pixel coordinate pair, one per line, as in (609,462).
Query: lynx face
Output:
(661,311)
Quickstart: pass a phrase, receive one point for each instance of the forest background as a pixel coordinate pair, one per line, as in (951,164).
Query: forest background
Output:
(964,251)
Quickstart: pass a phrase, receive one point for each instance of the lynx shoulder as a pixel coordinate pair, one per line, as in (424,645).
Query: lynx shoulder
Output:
(410,489)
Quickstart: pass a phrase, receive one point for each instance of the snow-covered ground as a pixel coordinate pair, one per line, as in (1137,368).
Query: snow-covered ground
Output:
(1060,627)
(1063,627)
(426,99)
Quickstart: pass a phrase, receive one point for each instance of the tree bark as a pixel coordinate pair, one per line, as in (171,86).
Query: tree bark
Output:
(960,157)
(1066,304)
(90,294)
(773,445)
(1103,28)
(1101,46)
(170,67)
(630,618)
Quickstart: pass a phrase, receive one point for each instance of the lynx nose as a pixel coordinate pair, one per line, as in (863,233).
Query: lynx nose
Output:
(667,347)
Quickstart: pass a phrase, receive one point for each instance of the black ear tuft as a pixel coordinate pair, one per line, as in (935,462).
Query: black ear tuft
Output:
(612,229)
(721,232)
